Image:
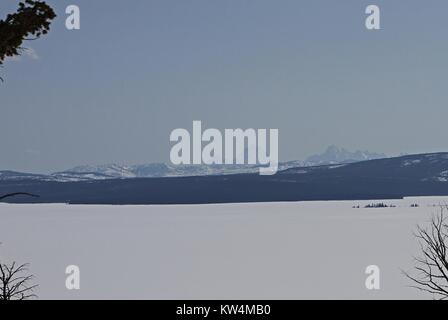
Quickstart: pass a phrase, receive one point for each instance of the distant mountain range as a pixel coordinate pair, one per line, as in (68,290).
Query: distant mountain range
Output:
(332,155)
(388,178)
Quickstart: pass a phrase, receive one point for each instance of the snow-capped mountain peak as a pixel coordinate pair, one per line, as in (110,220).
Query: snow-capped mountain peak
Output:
(335,155)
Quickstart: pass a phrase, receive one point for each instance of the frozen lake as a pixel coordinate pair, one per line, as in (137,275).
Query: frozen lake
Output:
(300,250)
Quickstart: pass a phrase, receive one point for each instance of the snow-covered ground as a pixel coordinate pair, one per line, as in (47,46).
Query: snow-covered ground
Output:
(298,250)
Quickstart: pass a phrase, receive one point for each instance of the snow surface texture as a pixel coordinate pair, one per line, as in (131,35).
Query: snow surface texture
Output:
(301,250)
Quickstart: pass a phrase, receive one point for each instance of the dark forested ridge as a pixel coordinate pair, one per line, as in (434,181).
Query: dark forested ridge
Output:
(415,175)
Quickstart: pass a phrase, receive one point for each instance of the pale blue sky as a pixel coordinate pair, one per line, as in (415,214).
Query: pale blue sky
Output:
(114,90)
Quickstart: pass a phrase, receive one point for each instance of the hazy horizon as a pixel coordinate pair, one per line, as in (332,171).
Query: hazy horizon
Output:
(323,151)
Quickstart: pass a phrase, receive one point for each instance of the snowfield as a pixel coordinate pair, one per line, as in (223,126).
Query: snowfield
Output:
(299,250)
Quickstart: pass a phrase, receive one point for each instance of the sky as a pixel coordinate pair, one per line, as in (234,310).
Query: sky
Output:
(113,91)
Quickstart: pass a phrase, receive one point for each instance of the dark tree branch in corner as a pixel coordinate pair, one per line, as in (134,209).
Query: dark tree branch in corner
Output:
(18,194)
(31,20)
(432,267)
(15,283)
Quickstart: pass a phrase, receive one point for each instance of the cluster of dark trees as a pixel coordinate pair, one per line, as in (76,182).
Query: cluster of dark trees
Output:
(379,205)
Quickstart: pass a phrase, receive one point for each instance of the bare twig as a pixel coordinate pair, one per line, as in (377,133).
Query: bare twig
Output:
(14,283)
(18,194)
